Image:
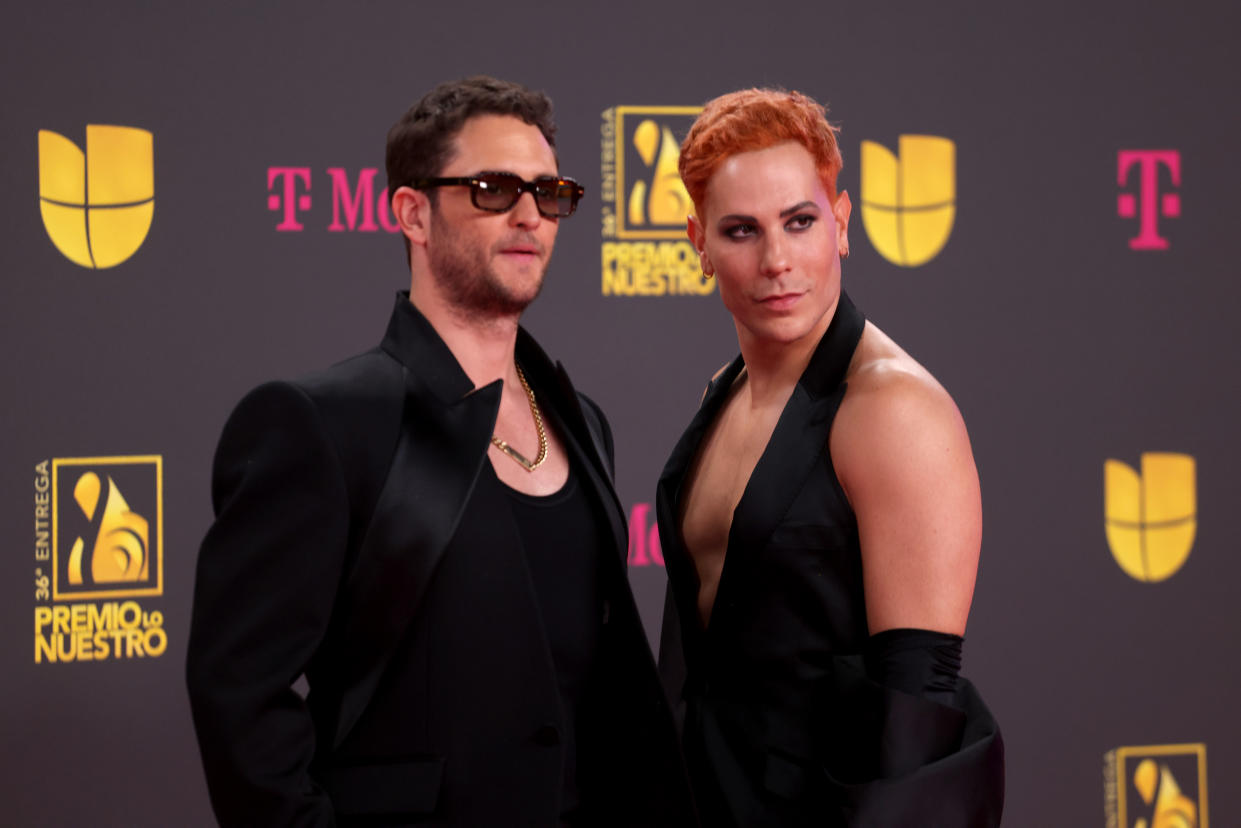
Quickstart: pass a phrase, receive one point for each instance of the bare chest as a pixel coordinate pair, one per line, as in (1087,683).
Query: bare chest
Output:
(715,485)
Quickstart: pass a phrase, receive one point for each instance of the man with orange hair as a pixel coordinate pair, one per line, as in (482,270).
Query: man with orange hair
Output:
(820,518)
(754,119)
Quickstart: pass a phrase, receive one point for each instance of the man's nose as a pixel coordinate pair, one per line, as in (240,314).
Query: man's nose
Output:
(775,258)
(525,212)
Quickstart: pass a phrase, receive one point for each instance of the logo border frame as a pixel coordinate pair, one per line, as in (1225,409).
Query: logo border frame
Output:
(111,460)
(619,111)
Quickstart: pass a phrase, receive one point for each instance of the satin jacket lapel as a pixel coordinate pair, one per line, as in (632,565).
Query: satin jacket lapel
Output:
(445,430)
(796,445)
(565,413)
(777,477)
(682,576)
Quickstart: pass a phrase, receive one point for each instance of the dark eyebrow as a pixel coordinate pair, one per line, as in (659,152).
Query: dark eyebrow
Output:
(797,208)
(510,172)
(785,213)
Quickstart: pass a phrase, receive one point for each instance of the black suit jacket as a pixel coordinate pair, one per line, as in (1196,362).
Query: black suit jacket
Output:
(783,726)
(361,540)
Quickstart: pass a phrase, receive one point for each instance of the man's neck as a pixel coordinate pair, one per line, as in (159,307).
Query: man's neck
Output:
(482,345)
(773,368)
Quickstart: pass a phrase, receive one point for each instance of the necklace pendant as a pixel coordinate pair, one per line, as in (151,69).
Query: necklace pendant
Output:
(515,454)
(528,465)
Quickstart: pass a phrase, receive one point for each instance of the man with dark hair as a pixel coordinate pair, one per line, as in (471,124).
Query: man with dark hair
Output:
(428,534)
(420,143)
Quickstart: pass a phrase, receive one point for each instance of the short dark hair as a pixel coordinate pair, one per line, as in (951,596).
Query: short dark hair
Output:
(420,143)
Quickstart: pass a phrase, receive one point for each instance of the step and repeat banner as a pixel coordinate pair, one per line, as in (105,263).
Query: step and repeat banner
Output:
(1045,217)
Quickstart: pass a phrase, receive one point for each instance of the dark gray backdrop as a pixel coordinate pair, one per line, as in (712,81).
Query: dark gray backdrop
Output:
(1062,346)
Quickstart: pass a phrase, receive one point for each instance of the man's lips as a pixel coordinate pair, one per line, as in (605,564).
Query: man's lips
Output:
(780,301)
(525,247)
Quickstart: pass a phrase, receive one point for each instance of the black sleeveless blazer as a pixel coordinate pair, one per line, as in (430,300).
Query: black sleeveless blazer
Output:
(781,725)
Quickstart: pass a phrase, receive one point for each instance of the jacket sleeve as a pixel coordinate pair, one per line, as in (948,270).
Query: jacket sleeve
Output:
(268,573)
(899,759)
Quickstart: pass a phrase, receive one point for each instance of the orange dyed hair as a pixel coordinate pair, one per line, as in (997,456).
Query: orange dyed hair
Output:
(754,119)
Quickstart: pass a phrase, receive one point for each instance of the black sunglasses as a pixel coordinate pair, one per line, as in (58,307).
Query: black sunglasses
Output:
(497,192)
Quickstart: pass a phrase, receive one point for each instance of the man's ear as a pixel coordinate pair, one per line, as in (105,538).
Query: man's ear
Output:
(698,237)
(412,210)
(841,210)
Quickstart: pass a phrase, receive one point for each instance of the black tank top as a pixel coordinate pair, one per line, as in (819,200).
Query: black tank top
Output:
(561,537)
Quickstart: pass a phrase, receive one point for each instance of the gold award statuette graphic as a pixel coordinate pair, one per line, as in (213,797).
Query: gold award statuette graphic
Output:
(97,205)
(1151,517)
(909,203)
(645,205)
(660,200)
(1157,786)
(119,554)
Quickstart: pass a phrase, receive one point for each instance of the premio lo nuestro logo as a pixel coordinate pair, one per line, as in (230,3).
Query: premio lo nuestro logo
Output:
(1156,786)
(98,548)
(645,206)
(97,205)
(909,202)
(1150,516)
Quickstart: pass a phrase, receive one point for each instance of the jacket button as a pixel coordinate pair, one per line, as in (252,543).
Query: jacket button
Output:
(547,736)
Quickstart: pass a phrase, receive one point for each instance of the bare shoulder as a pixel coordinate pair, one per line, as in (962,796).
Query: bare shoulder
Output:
(894,407)
(903,457)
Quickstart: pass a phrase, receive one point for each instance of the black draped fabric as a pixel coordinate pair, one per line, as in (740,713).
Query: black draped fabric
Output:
(782,724)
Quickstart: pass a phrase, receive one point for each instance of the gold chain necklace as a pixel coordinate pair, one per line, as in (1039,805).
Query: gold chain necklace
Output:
(538,426)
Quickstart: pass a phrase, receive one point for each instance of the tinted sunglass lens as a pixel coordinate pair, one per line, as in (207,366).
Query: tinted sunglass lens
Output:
(566,198)
(557,197)
(546,196)
(496,192)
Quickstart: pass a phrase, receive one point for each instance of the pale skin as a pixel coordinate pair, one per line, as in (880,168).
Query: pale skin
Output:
(515,247)
(771,235)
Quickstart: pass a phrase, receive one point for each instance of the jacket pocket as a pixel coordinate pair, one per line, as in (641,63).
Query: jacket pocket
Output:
(392,788)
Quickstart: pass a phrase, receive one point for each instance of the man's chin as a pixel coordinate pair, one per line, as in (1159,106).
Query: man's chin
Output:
(516,295)
(496,305)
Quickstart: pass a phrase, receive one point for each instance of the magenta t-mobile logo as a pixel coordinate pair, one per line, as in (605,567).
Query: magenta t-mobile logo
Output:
(355,207)
(1148,205)
(286,200)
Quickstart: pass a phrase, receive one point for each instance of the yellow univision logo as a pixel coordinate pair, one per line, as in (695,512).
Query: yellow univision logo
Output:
(1151,518)
(97,205)
(909,204)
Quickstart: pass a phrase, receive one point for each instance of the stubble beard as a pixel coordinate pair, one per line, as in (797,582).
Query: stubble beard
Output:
(468,282)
